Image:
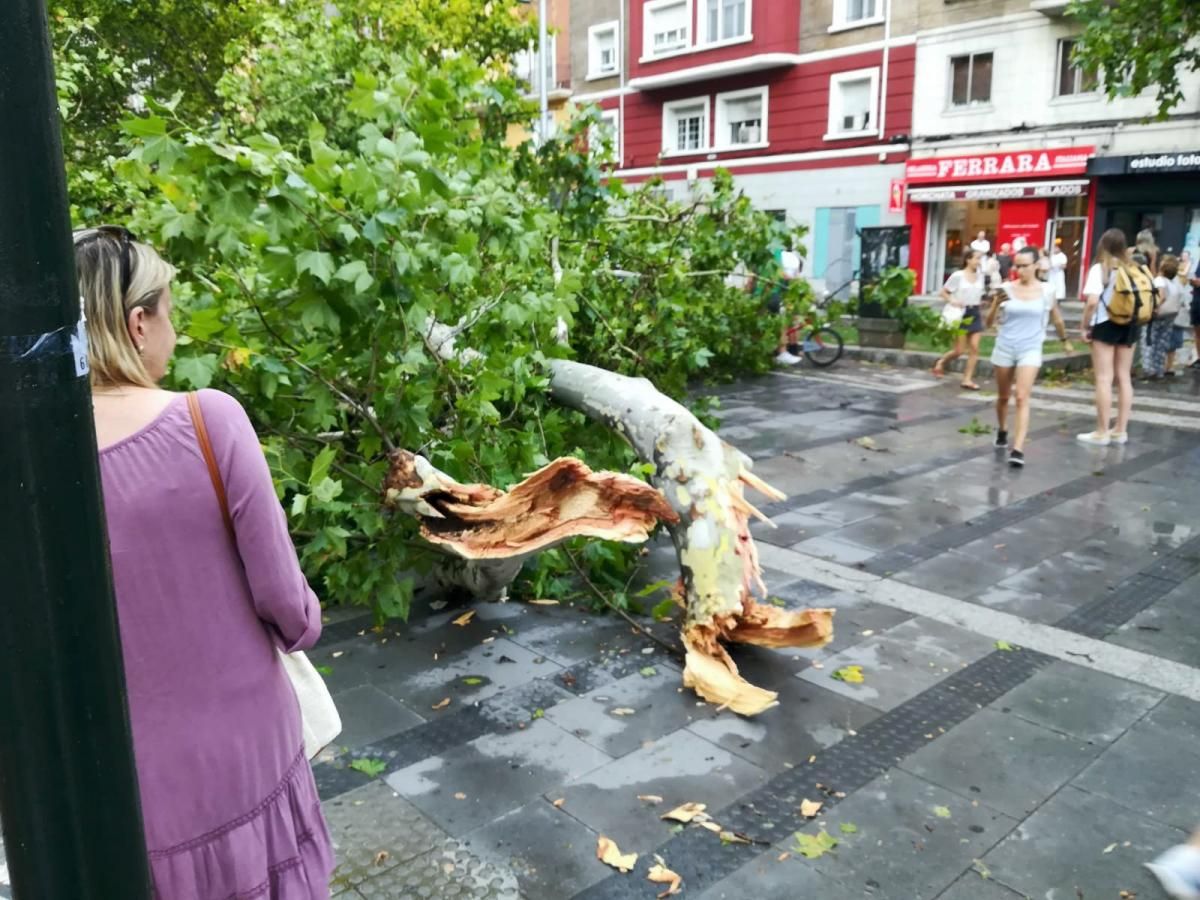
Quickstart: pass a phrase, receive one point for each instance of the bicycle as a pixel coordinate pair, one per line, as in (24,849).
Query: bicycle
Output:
(823,345)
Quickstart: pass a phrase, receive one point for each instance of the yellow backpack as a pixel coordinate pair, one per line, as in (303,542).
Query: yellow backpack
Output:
(1133,297)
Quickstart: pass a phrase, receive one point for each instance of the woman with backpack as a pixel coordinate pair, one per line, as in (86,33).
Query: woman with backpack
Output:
(1161,341)
(1113,336)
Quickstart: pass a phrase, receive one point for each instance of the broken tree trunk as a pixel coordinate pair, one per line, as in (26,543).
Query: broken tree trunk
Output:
(702,479)
(491,532)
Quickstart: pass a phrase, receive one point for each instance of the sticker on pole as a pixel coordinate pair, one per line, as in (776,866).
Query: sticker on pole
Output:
(79,348)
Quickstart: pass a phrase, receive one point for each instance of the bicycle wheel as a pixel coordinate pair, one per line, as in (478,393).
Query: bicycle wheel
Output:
(823,346)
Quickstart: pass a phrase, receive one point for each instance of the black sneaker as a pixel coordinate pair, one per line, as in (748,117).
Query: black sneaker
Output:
(1001,438)
(1016,459)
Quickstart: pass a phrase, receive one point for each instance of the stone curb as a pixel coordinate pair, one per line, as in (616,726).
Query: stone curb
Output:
(924,359)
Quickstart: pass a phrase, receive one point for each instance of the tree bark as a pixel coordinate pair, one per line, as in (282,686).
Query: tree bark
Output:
(702,479)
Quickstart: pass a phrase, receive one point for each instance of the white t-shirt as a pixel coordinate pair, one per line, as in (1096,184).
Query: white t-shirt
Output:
(964,292)
(1172,293)
(1094,287)
(983,245)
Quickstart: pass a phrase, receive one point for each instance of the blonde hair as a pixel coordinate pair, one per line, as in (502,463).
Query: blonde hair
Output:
(100,264)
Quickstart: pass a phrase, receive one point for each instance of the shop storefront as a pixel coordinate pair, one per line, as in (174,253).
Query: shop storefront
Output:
(1021,197)
(1159,191)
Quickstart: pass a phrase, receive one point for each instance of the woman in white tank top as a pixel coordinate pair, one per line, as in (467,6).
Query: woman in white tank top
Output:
(1024,308)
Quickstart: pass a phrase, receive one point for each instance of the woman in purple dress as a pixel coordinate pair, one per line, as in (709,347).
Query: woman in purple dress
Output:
(228,798)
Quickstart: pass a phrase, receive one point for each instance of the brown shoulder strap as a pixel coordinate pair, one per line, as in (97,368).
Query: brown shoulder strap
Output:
(210,459)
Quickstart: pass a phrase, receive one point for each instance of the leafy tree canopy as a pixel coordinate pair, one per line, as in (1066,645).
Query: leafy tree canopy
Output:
(1137,44)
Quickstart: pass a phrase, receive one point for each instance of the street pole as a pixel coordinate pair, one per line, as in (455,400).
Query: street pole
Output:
(68,789)
(544,90)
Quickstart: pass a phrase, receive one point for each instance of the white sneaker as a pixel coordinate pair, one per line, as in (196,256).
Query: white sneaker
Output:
(1119,437)
(1178,871)
(1095,438)
(787,359)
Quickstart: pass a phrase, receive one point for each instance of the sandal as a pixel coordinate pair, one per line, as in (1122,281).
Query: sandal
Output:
(938,371)
(969,386)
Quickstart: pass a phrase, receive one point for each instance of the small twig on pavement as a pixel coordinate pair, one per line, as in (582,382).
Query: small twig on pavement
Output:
(670,648)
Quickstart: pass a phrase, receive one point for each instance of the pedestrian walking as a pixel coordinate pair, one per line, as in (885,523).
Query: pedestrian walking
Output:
(1146,245)
(1112,342)
(964,289)
(1004,259)
(1178,870)
(981,244)
(229,803)
(1058,272)
(1024,308)
(1159,344)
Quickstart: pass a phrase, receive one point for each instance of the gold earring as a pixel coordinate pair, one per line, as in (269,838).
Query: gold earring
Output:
(141,349)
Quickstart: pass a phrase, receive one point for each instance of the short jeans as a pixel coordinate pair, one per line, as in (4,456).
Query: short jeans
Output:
(1007,357)
(1175,341)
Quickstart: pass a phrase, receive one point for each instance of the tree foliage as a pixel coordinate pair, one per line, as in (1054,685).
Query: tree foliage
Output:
(1138,44)
(351,193)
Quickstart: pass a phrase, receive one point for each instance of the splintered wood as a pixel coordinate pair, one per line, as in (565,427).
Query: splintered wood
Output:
(561,500)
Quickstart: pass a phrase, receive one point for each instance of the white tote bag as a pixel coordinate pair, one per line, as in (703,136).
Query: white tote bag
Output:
(952,315)
(318,714)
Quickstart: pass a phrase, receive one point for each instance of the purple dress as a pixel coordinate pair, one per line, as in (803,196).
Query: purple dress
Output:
(230,807)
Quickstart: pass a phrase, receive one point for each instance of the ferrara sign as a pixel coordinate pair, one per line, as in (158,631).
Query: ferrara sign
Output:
(990,166)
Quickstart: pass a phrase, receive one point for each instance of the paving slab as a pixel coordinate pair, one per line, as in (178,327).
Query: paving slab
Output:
(1081,845)
(552,854)
(808,720)
(956,574)
(1146,769)
(910,839)
(494,775)
(835,550)
(790,528)
(1002,760)
(368,714)
(1170,628)
(1081,702)
(973,886)
(900,662)
(792,878)
(681,768)
(659,705)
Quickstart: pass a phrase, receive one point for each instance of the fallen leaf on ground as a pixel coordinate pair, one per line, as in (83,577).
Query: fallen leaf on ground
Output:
(544,602)
(809,808)
(848,828)
(1004,645)
(685,813)
(814,846)
(465,617)
(660,874)
(472,681)
(559,802)
(337,653)
(942,812)
(372,768)
(782,856)
(460,796)
(708,824)
(650,798)
(1110,848)
(849,674)
(623,711)
(648,671)
(867,443)
(441,704)
(381,857)
(732,837)
(610,854)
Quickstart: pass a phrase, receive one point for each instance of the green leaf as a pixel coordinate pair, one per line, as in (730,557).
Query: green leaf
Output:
(654,588)
(471,681)
(848,828)
(327,489)
(325,671)
(299,505)
(647,671)
(144,126)
(942,812)
(195,372)
(662,611)
(814,846)
(538,713)
(1005,646)
(320,466)
(317,263)
(372,768)
(849,674)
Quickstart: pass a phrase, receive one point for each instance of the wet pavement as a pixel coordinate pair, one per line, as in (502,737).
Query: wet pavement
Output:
(1025,725)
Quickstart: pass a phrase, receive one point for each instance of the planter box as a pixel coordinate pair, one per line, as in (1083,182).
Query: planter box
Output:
(880,333)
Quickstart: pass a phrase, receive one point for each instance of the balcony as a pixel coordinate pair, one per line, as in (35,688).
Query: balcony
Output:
(1055,9)
(759,62)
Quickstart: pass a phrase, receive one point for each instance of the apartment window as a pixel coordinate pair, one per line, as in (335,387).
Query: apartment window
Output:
(685,125)
(742,118)
(604,138)
(971,79)
(603,50)
(525,64)
(726,20)
(1072,79)
(849,13)
(852,103)
(667,25)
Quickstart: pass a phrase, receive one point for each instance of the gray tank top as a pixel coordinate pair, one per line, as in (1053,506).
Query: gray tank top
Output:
(1023,322)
